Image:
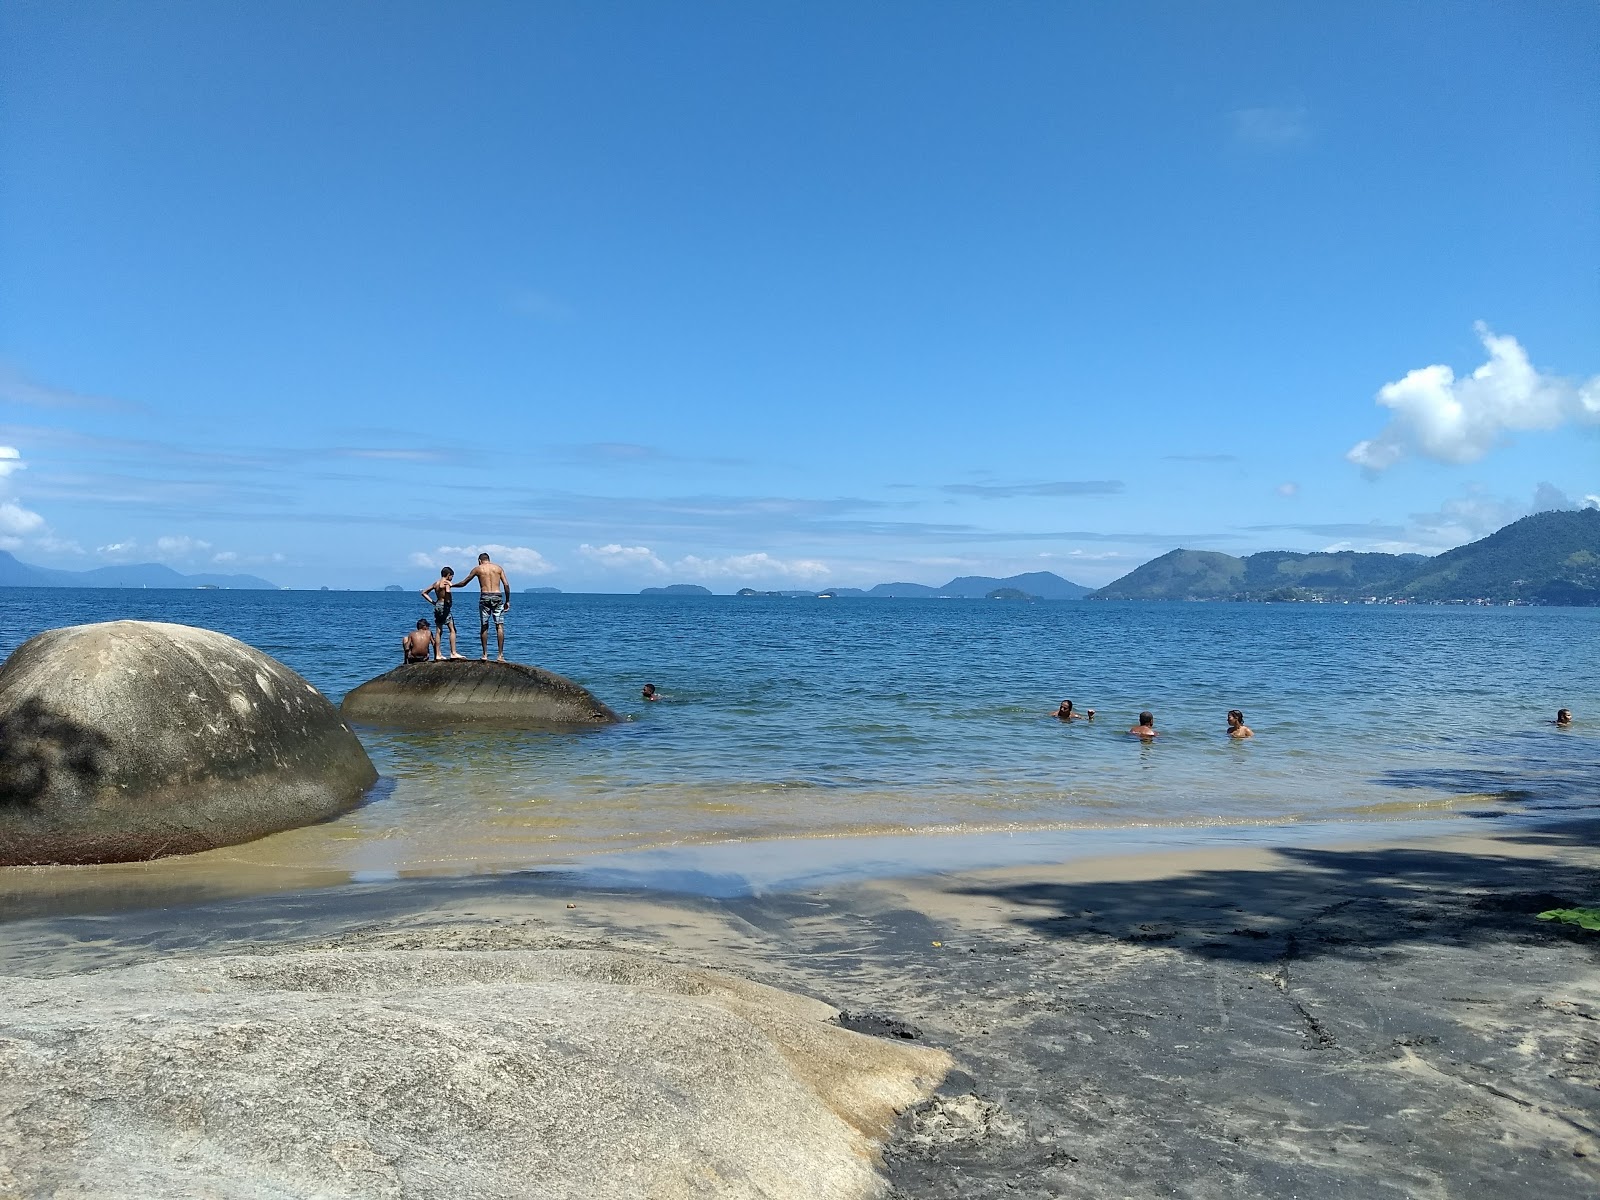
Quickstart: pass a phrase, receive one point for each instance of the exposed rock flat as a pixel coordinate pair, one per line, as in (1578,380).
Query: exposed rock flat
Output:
(469,691)
(451,1074)
(134,739)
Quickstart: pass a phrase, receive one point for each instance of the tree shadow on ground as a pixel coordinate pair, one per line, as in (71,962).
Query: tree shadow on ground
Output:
(1328,902)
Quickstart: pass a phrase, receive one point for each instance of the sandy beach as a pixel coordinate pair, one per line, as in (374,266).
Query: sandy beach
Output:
(1373,1018)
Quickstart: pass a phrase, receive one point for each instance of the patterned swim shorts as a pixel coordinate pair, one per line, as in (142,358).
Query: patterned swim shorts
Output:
(491,607)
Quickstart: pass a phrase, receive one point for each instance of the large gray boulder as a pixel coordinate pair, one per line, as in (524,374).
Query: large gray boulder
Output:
(440,1075)
(134,739)
(449,693)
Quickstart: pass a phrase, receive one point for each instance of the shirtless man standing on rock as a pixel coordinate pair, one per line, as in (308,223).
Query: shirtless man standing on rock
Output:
(494,602)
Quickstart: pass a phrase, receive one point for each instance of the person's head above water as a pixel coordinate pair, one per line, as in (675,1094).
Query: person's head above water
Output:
(1146,718)
(422,623)
(447,572)
(1564,716)
(648,692)
(1235,717)
(1065,710)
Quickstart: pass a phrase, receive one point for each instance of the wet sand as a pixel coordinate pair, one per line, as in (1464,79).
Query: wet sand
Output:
(1379,1017)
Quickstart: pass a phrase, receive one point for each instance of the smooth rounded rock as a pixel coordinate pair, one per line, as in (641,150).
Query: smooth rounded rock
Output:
(448,693)
(440,1075)
(134,739)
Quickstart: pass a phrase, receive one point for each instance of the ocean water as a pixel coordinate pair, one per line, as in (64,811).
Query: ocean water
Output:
(827,719)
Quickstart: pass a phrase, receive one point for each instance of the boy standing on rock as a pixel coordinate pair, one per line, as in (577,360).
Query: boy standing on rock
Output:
(494,602)
(438,595)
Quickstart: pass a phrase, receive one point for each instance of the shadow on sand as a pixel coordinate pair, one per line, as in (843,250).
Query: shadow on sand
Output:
(1327,902)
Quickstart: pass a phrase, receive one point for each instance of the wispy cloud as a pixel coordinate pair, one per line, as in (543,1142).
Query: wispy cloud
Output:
(633,454)
(17,388)
(177,548)
(1344,529)
(615,557)
(513,558)
(1270,127)
(16,521)
(395,454)
(538,305)
(1066,487)
(1450,420)
(1287,490)
(760,566)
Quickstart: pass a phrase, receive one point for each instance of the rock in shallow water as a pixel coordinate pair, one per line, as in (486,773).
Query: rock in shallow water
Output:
(468,691)
(134,739)
(422,1074)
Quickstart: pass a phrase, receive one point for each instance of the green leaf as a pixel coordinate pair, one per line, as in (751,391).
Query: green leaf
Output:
(1585,918)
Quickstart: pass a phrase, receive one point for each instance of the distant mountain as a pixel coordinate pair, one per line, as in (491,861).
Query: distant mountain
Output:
(676,589)
(543,591)
(1548,558)
(1043,585)
(137,575)
(900,591)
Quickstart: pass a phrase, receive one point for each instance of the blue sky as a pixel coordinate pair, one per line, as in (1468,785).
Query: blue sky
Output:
(789,294)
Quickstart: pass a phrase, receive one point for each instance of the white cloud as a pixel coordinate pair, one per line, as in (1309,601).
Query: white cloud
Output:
(17,521)
(1591,501)
(615,557)
(1287,489)
(228,558)
(1455,420)
(178,547)
(513,558)
(10,461)
(752,566)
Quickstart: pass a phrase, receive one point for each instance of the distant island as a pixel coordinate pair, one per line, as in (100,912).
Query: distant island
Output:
(1035,585)
(1548,558)
(135,575)
(393,587)
(676,589)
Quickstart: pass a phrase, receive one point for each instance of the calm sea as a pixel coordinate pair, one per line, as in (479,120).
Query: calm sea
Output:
(812,718)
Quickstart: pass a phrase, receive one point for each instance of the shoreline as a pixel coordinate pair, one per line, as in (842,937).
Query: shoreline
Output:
(1383,1014)
(718,868)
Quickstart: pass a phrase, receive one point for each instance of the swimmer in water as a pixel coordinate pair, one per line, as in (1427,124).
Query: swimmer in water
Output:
(1067,713)
(1236,726)
(1146,728)
(1563,718)
(649,692)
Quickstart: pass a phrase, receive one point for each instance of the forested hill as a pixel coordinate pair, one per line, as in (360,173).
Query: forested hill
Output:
(1548,558)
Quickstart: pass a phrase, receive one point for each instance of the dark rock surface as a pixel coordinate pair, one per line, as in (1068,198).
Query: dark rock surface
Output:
(471,692)
(133,739)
